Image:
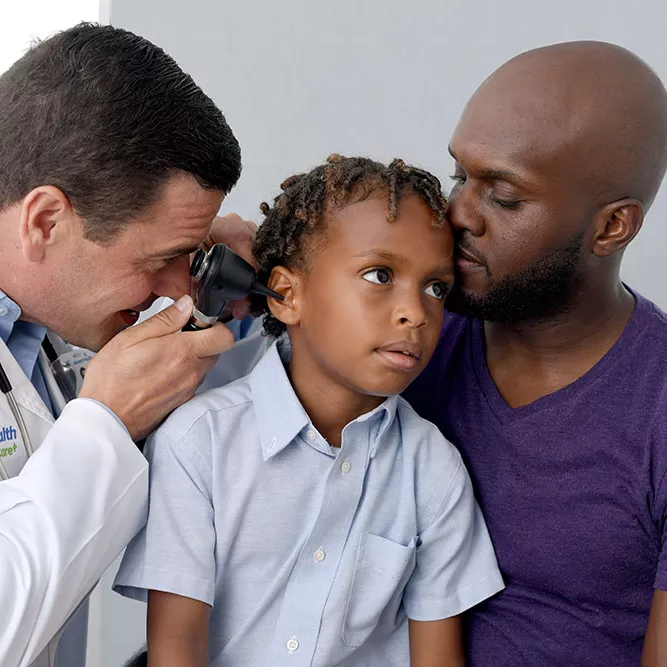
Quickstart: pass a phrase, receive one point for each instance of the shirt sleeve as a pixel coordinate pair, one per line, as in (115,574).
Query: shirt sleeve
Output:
(63,521)
(174,553)
(456,565)
(660,519)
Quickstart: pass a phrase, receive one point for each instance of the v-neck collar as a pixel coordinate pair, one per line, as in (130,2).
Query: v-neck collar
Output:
(506,413)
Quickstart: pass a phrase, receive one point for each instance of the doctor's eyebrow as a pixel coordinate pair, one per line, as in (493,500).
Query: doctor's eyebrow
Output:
(177,252)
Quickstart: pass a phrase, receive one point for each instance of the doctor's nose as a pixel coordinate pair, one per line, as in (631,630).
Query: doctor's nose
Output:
(174,279)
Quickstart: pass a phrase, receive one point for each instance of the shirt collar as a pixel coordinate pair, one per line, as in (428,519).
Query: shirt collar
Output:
(279,413)
(385,413)
(9,314)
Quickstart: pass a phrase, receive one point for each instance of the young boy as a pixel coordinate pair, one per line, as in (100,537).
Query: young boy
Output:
(304,515)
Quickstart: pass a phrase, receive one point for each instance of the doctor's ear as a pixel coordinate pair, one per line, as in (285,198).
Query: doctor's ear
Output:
(47,216)
(286,283)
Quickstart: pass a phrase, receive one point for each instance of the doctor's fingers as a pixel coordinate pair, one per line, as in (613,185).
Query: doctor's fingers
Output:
(205,343)
(235,232)
(167,321)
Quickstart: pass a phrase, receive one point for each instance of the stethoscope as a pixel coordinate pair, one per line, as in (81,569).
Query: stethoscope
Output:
(61,384)
(6,388)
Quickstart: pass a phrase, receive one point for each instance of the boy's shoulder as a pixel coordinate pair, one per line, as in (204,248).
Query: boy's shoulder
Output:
(227,403)
(424,442)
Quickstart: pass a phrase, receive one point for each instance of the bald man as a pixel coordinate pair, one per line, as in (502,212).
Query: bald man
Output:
(551,374)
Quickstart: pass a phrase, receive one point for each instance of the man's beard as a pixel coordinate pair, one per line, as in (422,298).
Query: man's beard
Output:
(537,292)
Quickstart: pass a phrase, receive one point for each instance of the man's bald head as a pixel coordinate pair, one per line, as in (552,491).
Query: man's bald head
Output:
(558,155)
(593,108)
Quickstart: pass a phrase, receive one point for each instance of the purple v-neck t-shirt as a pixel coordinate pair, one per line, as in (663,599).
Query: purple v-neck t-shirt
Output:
(574,493)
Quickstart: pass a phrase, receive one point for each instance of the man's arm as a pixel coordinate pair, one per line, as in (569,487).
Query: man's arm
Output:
(63,521)
(655,642)
(177,631)
(82,496)
(436,643)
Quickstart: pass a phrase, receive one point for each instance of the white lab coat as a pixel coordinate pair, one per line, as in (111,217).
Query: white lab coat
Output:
(63,520)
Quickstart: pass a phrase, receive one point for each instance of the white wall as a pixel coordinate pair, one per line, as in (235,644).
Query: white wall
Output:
(23,21)
(299,79)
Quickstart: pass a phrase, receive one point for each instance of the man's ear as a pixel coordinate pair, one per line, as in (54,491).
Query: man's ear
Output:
(287,284)
(46,217)
(616,225)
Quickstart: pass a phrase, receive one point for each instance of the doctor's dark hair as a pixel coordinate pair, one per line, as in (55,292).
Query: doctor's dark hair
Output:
(299,212)
(107,117)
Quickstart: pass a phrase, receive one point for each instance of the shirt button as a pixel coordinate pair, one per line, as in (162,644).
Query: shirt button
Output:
(292,645)
(346,467)
(319,555)
(3,311)
(311,435)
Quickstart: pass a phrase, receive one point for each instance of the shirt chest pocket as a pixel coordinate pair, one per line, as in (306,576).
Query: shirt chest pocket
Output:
(381,572)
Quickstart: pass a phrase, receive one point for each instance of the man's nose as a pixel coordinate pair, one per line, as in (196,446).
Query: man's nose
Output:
(463,212)
(174,280)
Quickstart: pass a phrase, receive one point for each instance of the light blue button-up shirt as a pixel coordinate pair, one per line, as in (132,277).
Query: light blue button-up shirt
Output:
(310,555)
(24,340)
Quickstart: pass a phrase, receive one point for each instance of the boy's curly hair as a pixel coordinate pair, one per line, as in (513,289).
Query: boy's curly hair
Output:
(298,212)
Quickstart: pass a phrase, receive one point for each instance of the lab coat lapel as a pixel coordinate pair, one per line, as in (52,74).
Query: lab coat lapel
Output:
(37,416)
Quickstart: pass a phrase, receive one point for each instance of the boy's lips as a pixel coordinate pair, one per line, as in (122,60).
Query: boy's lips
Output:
(403,355)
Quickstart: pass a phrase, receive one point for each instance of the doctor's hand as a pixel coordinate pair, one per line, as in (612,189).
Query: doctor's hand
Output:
(239,235)
(148,370)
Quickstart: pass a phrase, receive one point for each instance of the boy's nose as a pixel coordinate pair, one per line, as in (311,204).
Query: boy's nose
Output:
(411,312)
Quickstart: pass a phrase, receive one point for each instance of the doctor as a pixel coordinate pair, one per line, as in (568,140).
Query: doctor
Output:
(113,165)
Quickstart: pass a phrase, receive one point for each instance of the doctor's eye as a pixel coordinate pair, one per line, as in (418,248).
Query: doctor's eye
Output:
(379,276)
(437,290)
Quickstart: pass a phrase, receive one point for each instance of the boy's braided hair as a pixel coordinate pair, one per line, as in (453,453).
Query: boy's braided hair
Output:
(298,212)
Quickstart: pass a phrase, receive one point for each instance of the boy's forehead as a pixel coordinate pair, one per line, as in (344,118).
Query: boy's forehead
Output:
(363,228)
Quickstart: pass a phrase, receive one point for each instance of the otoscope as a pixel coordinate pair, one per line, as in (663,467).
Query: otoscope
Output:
(218,276)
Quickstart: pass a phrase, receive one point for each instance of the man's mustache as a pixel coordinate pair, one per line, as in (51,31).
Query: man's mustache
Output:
(466,249)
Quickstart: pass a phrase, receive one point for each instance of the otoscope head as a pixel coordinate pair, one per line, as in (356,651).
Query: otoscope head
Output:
(218,276)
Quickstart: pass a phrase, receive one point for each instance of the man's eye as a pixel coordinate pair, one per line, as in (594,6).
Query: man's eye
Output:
(510,204)
(378,276)
(437,290)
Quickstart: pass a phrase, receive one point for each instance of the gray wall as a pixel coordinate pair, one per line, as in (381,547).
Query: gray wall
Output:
(299,79)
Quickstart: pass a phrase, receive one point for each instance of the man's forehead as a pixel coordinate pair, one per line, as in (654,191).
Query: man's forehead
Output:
(524,137)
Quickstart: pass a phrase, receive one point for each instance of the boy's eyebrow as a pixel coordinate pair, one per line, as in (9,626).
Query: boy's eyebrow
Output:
(377,252)
(442,270)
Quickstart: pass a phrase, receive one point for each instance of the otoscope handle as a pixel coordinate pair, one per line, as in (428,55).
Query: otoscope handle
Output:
(191,326)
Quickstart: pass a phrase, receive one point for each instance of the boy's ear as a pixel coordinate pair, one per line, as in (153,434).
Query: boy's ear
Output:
(46,217)
(286,283)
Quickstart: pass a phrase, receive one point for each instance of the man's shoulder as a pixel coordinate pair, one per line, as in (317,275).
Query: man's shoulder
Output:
(652,315)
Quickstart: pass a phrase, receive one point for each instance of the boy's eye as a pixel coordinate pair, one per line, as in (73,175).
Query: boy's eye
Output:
(437,290)
(378,276)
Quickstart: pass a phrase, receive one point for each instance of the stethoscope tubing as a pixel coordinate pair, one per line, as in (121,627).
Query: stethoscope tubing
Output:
(6,388)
